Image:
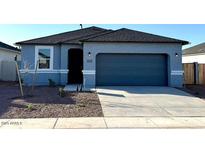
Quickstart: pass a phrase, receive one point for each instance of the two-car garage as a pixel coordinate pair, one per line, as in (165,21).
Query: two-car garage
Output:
(114,69)
(127,57)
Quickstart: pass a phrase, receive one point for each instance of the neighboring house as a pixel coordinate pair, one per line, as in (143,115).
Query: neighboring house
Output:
(99,57)
(194,54)
(8,54)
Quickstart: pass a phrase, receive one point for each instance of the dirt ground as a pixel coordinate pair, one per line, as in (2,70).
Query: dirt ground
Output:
(46,103)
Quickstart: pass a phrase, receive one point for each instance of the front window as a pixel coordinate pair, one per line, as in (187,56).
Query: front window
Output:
(44,57)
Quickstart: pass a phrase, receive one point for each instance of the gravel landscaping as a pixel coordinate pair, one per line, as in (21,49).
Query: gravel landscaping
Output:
(46,103)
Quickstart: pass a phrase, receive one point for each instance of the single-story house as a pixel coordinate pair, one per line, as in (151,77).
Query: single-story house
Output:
(8,54)
(195,54)
(102,57)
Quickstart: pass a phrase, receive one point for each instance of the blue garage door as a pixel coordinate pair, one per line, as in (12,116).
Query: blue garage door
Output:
(131,70)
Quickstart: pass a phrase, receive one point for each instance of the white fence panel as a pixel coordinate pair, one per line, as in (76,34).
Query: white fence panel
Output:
(8,71)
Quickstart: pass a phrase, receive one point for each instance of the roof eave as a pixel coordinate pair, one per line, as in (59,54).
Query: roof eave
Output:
(21,43)
(182,42)
(48,43)
(185,43)
(11,50)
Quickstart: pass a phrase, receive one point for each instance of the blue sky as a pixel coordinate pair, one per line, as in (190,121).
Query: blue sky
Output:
(14,33)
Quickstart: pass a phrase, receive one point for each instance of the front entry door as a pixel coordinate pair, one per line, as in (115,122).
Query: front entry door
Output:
(75,66)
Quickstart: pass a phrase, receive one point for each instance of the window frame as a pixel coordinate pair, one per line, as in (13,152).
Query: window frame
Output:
(37,48)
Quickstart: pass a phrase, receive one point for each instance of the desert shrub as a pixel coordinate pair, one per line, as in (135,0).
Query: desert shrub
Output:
(30,107)
(81,105)
(62,92)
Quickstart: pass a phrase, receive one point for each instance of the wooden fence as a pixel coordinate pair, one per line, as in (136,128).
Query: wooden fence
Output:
(194,73)
(202,74)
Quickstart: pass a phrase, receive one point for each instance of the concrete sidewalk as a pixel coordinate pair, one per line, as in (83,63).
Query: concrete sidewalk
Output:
(104,123)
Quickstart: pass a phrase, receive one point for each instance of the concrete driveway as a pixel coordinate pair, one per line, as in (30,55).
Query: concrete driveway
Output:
(149,102)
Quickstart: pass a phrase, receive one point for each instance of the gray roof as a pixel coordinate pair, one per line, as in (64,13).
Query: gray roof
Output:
(79,39)
(96,34)
(198,49)
(66,37)
(127,35)
(9,47)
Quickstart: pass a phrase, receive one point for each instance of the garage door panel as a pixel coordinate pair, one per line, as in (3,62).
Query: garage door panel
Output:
(131,69)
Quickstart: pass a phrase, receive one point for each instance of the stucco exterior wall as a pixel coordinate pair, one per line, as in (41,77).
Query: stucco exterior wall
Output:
(200,58)
(28,56)
(28,60)
(41,78)
(175,74)
(59,73)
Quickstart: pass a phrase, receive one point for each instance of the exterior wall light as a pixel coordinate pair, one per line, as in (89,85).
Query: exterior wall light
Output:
(176,54)
(89,54)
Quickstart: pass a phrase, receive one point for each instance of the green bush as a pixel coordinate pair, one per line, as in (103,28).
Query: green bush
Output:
(30,107)
(62,92)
